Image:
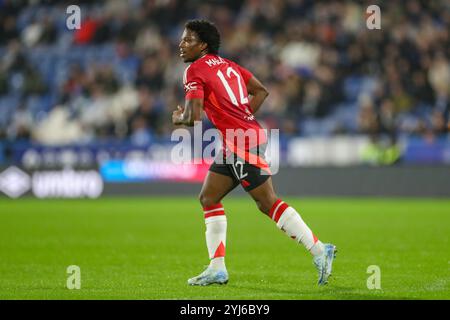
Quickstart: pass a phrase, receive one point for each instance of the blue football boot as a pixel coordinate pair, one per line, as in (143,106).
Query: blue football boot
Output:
(324,263)
(210,276)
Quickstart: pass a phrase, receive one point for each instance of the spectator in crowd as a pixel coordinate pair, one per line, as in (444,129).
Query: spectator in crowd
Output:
(146,118)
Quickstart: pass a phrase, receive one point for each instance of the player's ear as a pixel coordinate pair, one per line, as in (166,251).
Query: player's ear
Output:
(204,46)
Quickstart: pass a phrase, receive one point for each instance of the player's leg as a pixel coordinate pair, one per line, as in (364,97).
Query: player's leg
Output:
(285,216)
(289,221)
(215,187)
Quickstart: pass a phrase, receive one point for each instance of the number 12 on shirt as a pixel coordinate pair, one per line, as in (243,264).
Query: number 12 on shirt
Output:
(232,96)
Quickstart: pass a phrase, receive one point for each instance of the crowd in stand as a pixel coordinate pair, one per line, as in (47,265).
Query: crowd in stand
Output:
(119,76)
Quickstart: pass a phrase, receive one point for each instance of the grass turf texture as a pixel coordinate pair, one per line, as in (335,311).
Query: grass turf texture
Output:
(135,248)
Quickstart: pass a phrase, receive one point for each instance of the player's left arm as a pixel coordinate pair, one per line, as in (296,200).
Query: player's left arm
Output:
(255,88)
(258,92)
(187,115)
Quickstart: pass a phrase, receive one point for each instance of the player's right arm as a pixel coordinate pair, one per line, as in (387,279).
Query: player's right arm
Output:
(258,92)
(193,88)
(189,114)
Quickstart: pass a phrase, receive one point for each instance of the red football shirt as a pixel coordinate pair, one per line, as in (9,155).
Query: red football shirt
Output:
(222,84)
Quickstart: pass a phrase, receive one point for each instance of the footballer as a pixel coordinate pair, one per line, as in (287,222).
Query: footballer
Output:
(221,88)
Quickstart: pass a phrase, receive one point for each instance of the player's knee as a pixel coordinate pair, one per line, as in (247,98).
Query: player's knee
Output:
(266,204)
(206,201)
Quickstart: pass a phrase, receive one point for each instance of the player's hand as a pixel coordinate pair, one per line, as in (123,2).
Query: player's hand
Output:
(177,115)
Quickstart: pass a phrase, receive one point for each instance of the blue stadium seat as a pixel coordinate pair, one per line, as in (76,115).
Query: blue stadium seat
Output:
(354,86)
(346,115)
(2,154)
(8,105)
(318,127)
(38,104)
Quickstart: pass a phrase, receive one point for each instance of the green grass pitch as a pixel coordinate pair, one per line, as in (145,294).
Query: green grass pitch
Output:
(146,248)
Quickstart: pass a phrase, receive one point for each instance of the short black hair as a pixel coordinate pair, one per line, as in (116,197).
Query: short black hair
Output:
(207,33)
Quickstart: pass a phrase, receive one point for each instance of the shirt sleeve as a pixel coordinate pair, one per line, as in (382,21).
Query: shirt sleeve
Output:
(193,83)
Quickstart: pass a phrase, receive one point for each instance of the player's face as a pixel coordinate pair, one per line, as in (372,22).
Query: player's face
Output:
(191,48)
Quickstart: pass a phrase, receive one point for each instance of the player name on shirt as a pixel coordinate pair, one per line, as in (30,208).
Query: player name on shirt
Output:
(215,61)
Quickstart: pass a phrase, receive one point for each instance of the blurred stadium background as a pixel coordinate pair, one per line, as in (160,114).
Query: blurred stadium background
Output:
(87,113)
(342,95)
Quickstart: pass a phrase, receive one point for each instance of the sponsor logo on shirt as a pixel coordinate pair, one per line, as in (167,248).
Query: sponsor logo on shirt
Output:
(190,86)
